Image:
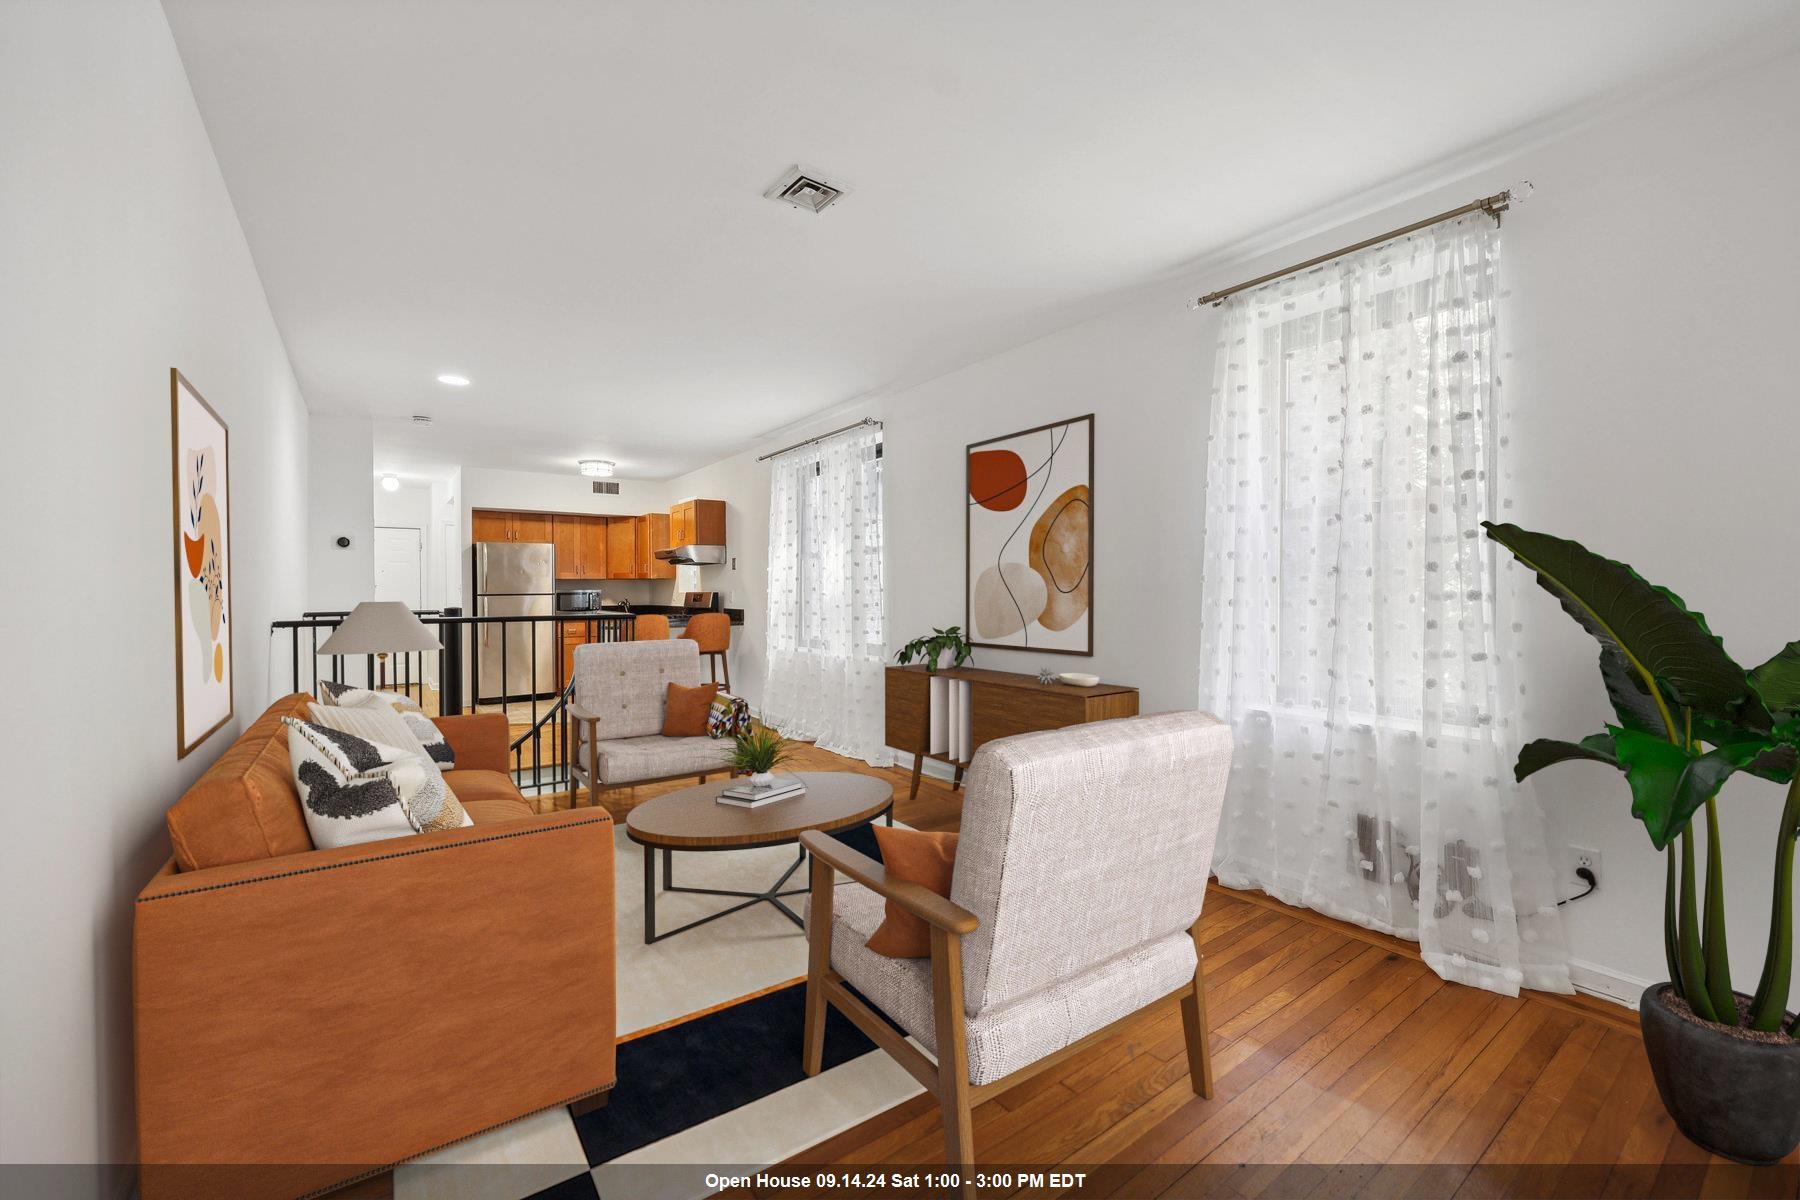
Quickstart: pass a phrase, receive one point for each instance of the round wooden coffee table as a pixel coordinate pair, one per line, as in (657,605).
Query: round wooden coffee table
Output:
(693,819)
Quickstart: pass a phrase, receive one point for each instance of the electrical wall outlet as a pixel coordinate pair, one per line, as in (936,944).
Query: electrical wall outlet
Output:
(1583,856)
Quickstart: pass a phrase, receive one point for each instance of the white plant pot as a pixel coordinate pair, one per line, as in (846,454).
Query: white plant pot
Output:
(762,779)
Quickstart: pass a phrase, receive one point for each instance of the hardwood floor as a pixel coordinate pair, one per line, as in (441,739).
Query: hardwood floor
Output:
(1344,1067)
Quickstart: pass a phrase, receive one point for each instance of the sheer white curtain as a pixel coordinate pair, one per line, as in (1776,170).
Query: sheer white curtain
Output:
(827,627)
(1351,607)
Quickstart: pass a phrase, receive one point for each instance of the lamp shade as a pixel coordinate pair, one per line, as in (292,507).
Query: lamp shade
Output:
(380,627)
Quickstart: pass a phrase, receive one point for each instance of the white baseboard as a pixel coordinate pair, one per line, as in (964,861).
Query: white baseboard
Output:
(933,767)
(1606,983)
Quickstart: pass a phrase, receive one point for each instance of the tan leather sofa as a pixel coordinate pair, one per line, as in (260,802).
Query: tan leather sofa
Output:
(305,1017)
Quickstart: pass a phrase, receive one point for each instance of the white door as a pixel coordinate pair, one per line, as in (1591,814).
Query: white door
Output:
(400,565)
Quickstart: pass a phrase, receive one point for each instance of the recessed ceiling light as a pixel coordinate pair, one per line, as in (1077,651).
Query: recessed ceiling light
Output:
(454,380)
(597,468)
(390,483)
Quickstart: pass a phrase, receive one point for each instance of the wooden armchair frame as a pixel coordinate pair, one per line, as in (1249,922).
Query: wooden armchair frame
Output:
(948,1078)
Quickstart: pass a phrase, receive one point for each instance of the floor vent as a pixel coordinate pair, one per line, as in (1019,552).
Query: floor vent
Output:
(606,487)
(803,189)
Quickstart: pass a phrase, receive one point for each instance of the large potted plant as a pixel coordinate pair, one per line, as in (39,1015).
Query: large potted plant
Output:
(1689,718)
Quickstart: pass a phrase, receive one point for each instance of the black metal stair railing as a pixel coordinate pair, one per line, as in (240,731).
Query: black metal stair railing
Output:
(457,687)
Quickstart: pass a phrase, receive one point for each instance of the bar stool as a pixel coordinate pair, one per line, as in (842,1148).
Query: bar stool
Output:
(712,631)
(650,627)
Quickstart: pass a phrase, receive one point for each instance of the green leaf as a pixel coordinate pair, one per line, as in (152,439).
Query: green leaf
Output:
(1631,700)
(1669,783)
(1772,755)
(1665,645)
(1777,681)
(1544,752)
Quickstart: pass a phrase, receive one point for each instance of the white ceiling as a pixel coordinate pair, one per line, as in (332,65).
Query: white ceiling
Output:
(561,199)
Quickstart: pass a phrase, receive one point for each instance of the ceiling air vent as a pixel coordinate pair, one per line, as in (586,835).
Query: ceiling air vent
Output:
(421,419)
(802,188)
(606,487)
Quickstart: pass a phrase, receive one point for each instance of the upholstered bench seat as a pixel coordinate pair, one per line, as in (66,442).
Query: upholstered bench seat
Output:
(626,760)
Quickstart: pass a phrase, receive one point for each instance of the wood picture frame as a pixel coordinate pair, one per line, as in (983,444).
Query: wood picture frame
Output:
(1024,495)
(200,473)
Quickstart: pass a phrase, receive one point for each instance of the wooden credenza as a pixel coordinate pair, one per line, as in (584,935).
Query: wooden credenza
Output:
(1001,703)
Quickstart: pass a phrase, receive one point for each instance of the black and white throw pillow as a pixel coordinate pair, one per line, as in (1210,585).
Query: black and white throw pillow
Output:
(353,790)
(379,723)
(348,695)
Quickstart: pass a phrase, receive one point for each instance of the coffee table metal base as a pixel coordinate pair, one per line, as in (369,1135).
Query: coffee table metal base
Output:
(773,895)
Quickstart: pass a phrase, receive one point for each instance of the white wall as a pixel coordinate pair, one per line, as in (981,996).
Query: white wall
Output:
(340,503)
(120,257)
(1651,304)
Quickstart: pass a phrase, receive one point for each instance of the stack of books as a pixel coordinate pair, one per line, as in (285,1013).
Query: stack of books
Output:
(744,795)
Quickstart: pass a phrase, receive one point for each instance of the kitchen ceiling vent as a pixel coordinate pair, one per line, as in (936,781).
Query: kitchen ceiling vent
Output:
(802,188)
(606,487)
(421,419)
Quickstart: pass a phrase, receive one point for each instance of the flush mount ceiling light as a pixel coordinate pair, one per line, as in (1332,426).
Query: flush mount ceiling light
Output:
(454,380)
(390,483)
(802,188)
(596,468)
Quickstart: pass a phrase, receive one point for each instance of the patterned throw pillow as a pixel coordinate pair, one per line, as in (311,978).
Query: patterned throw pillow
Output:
(348,695)
(379,723)
(353,790)
(728,717)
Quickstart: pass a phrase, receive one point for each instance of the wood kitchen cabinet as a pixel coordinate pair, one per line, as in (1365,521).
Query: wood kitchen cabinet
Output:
(497,525)
(621,548)
(697,523)
(653,535)
(580,546)
(590,546)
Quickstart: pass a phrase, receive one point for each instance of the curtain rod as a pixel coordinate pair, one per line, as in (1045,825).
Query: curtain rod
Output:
(1493,206)
(809,441)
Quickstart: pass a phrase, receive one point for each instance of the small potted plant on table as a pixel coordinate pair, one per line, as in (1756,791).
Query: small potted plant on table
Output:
(756,754)
(1727,1065)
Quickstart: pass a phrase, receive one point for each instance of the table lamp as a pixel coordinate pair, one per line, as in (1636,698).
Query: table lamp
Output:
(380,627)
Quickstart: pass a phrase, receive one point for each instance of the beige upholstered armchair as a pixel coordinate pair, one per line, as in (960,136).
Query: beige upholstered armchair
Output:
(621,694)
(1080,872)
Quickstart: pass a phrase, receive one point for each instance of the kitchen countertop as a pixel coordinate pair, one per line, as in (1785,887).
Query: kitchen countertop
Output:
(676,613)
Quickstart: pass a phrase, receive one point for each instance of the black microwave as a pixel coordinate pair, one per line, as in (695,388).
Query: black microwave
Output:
(583,601)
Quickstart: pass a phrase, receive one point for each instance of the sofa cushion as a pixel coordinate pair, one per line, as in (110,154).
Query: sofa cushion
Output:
(625,684)
(348,695)
(245,806)
(353,790)
(488,796)
(687,708)
(912,856)
(630,760)
(411,731)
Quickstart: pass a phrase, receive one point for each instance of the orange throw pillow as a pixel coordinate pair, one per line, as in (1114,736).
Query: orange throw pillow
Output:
(927,859)
(685,715)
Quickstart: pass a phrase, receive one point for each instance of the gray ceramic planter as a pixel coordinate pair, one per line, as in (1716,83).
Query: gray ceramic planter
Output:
(1736,1098)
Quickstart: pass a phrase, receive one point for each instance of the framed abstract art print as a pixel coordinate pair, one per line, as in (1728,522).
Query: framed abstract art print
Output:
(202,487)
(1029,567)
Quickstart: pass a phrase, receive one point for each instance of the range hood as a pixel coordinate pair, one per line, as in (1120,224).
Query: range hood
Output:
(693,556)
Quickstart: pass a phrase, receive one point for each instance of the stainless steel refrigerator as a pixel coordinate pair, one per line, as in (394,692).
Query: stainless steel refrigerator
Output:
(517,659)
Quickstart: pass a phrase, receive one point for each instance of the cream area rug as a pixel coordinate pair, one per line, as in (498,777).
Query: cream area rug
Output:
(709,1076)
